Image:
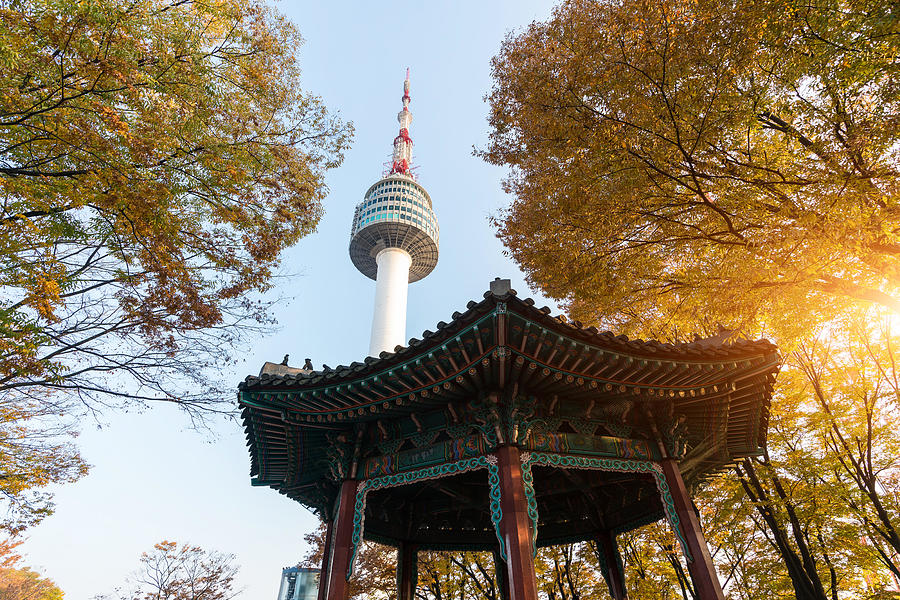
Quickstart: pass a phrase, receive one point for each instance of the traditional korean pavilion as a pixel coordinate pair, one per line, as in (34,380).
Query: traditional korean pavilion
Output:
(504,430)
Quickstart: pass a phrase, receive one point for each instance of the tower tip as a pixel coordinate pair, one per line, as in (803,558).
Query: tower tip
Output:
(402,155)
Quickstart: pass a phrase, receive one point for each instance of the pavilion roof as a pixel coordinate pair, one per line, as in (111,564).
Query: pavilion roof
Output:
(504,340)
(703,350)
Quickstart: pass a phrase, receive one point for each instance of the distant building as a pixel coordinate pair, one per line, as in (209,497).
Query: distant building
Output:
(298,583)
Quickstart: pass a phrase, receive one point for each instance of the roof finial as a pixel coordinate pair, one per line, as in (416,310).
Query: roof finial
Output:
(402,157)
(500,287)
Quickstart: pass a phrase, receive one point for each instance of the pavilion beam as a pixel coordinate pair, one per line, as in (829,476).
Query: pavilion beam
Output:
(702,570)
(407,570)
(615,577)
(342,543)
(515,525)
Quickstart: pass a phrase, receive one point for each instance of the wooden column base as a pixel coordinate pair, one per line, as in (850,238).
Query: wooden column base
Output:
(702,569)
(515,525)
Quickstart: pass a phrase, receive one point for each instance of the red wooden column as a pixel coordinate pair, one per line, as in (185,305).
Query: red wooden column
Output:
(615,578)
(501,577)
(326,559)
(702,570)
(515,526)
(342,543)
(407,576)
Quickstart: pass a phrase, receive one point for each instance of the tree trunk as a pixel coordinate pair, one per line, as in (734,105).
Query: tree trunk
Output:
(800,566)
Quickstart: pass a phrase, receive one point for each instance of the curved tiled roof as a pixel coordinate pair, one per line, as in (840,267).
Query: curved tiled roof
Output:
(720,389)
(701,349)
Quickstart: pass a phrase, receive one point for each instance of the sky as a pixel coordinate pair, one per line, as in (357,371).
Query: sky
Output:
(155,478)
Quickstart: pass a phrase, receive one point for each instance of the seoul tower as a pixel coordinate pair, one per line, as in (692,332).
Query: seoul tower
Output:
(394,239)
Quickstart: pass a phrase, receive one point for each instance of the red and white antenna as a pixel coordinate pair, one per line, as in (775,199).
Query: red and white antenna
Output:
(402,157)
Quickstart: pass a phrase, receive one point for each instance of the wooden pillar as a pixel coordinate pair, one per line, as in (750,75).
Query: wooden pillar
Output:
(342,543)
(501,577)
(407,571)
(615,578)
(326,560)
(702,570)
(515,526)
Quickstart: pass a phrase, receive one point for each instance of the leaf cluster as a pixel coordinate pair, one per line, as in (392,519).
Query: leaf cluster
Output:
(664,154)
(156,158)
(25,584)
(677,166)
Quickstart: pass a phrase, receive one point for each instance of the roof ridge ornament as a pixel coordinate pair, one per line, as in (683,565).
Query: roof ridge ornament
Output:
(500,287)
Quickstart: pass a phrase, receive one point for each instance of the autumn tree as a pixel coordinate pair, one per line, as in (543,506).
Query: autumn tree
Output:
(21,583)
(856,388)
(664,154)
(826,489)
(25,584)
(570,572)
(679,165)
(34,453)
(155,159)
(181,572)
(457,575)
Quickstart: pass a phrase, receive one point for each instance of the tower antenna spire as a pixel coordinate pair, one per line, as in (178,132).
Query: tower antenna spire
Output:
(401,160)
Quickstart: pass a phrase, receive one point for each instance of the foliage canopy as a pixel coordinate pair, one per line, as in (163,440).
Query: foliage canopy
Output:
(21,583)
(155,159)
(25,584)
(677,165)
(703,159)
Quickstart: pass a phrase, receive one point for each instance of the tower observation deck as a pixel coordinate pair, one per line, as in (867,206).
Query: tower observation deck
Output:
(394,238)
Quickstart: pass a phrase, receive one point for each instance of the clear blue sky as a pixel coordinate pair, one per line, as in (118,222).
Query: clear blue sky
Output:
(154,478)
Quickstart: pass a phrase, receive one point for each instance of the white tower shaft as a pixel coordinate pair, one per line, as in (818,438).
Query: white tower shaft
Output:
(391,286)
